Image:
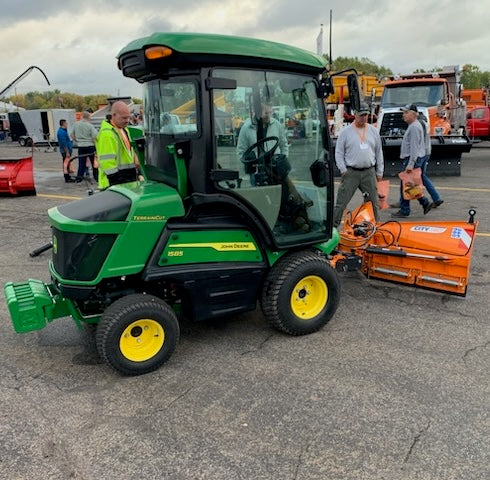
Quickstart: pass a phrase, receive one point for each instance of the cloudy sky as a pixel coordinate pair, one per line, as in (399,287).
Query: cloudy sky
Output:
(75,42)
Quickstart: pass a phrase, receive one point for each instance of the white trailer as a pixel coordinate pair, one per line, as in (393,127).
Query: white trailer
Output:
(39,126)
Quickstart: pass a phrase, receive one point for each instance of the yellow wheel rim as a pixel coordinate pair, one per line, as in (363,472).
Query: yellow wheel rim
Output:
(142,340)
(309,297)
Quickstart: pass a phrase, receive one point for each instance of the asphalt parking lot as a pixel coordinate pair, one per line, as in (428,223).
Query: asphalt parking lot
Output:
(396,386)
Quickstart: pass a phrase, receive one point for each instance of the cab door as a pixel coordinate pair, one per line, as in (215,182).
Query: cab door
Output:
(270,130)
(478,123)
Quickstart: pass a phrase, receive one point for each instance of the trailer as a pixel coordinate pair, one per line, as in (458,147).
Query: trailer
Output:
(38,126)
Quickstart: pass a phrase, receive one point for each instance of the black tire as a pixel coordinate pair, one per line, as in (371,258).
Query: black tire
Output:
(301,293)
(137,334)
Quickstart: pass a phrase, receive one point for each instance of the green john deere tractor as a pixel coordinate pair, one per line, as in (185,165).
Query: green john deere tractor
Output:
(218,223)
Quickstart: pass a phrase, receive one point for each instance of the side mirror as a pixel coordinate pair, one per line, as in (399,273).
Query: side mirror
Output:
(318,170)
(354,91)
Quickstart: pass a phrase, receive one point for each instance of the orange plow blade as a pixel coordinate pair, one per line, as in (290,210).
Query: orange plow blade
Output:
(429,254)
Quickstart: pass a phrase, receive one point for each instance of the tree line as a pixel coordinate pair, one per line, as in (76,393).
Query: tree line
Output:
(57,99)
(471,77)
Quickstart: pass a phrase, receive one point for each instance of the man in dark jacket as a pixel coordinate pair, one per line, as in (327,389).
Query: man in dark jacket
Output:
(66,148)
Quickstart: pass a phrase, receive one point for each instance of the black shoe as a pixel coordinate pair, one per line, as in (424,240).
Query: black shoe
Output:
(400,214)
(68,179)
(427,207)
(438,203)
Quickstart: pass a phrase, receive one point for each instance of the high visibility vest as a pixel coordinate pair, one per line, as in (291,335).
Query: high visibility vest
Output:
(116,161)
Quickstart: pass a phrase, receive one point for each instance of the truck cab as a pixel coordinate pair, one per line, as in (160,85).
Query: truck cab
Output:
(478,123)
(438,98)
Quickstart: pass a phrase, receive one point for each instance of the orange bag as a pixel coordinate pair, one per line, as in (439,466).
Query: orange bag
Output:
(383,190)
(412,186)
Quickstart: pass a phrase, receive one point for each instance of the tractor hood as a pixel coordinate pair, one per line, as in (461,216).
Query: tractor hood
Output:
(110,233)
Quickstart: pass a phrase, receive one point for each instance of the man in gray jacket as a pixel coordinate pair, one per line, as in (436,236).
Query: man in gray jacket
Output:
(84,133)
(359,158)
(249,134)
(412,152)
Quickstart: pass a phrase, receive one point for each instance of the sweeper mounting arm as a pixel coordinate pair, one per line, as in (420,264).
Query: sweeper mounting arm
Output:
(430,254)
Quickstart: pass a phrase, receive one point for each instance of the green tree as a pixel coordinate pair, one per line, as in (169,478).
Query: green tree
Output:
(57,99)
(473,77)
(363,65)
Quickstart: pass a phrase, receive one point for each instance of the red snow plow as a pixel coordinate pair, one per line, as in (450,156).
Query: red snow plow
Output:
(429,254)
(17,176)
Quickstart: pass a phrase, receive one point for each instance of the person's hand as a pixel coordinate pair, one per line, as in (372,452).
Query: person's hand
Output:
(141,178)
(379,178)
(409,170)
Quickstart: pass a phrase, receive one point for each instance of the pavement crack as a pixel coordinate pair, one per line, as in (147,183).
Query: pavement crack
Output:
(415,440)
(261,344)
(178,397)
(473,349)
(299,461)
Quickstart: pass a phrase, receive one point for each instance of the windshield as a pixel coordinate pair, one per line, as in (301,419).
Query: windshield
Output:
(421,95)
(270,130)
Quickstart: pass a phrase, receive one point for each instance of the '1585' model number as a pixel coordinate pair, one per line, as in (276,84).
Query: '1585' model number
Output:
(176,253)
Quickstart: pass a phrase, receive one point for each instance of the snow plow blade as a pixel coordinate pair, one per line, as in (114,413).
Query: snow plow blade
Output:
(429,254)
(445,159)
(17,176)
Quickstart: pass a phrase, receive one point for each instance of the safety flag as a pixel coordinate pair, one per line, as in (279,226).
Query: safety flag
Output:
(319,41)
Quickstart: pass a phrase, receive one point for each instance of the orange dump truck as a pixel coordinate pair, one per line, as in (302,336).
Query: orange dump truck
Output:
(476,97)
(437,96)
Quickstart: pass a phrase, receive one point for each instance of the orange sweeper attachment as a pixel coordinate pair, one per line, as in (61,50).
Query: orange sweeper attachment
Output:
(429,254)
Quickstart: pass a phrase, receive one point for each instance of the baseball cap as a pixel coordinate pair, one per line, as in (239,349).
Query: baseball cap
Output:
(411,107)
(363,108)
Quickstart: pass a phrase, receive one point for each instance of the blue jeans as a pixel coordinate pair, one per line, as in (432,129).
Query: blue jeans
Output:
(431,190)
(405,204)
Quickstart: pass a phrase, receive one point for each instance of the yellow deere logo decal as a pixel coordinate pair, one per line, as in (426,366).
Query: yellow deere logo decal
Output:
(55,245)
(218,246)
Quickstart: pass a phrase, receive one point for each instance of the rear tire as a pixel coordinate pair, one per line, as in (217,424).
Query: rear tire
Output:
(137,334)
(301,293)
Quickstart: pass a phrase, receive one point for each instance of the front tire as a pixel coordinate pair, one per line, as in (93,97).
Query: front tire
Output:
(137,334)
(301,293)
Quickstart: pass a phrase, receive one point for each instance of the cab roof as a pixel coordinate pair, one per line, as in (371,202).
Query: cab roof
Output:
(203,49)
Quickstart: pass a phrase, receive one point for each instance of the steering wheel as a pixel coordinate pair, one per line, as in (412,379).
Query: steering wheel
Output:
(263,157)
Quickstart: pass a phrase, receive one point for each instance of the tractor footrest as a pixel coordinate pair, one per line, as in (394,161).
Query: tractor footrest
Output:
(27,302)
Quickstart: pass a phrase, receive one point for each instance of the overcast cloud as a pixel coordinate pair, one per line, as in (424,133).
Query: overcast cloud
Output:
(75,42)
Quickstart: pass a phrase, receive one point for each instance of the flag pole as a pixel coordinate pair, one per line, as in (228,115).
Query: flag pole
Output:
(330,44)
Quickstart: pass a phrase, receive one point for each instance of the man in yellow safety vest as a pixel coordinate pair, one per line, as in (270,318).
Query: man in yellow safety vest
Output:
(116,158)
